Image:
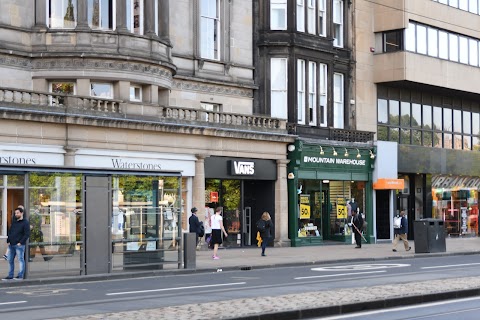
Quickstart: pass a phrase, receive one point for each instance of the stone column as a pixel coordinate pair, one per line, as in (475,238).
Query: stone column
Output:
(69,157)
(199,186)
(281,205)
(82,16)
(149,14)
(40,15)
(121,16)
(163,20)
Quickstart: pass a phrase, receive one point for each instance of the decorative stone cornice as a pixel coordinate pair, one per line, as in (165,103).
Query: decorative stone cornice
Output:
(16,62)
(81,64)
(211,88)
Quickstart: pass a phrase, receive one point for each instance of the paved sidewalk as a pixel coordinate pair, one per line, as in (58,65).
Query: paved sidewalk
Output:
(306,305)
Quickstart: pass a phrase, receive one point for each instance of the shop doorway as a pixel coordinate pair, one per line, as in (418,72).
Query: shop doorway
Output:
(243,202)
(15,197)
(382,205)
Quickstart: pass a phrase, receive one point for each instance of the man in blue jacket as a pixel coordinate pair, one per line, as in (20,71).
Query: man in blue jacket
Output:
(17,238)
(401,233)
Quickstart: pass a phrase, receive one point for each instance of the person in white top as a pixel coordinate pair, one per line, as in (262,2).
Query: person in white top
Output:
(216,221)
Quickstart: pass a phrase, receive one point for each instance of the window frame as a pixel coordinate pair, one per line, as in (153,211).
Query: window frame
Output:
(301,91)
(300,7)
(322,22)
(275,112)
(215,45)
(140,89)
(338,102)
(113,8)
(102,83)
(131,16)
(323,94)
(312,93)
(62,3)
(278,5)
(338,40)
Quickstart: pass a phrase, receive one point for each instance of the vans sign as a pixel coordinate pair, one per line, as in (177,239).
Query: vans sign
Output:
(242,168)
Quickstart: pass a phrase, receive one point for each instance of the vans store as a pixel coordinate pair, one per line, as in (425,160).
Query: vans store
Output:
(325,184)
(244,188)
(95,211)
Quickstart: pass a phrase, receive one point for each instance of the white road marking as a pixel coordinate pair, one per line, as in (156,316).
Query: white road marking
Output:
(416,306)
(359,267)
(179,288)
(338,274)
(13,302)
(452,265)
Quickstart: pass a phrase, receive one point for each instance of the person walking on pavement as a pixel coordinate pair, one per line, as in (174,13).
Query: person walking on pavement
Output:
(217,229)
(264,226)
(17,237)
(194,224)
(400,230)
(357,222)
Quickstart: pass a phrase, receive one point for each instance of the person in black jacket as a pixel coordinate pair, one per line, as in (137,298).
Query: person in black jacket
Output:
(357,221)
(401,233)
(18,235)
(194,223)
(266,233)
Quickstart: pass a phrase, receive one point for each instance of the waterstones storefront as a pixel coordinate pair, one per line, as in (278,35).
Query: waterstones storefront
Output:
(94,211)
(325,184)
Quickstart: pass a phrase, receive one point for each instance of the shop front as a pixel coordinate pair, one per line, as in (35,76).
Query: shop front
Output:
(326,183)
(244,189)
(105,212)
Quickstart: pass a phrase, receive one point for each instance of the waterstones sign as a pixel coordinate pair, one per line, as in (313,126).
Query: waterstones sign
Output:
(136,161)
(335,161)
(134,165)
(32,156)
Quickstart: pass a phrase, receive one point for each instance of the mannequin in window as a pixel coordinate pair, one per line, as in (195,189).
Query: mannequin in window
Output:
(354,206)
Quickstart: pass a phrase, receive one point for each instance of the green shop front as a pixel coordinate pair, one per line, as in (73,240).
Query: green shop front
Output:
(326,183)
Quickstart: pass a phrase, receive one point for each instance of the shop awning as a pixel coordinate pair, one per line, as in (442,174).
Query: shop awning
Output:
(388,184)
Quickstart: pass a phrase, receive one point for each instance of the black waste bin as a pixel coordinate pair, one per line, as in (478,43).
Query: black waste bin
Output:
(429,236)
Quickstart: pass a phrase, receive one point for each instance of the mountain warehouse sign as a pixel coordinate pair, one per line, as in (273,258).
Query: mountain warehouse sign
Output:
(338,161)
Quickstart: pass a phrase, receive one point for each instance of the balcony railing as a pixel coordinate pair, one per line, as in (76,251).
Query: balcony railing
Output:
(68,104)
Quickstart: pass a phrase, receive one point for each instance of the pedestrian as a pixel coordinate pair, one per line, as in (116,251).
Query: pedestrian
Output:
(217,230)
(264,226)
(5,256)
(194,224)
(357,222)
(400,231)
(17,237)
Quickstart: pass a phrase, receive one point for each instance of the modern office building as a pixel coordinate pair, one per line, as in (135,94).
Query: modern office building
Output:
(119,116)
(416,72)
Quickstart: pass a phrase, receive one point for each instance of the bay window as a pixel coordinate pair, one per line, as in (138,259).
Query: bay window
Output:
(278,90)
(101,14)
(210,29)
(338,101)
(301,91)
(278,14)
(135,16)
(62,14)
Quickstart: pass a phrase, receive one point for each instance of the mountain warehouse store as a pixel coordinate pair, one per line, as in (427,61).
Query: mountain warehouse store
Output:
(325,184)
(95,211)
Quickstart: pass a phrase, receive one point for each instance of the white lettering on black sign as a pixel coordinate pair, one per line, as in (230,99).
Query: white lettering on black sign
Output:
(244,168)
(354,162)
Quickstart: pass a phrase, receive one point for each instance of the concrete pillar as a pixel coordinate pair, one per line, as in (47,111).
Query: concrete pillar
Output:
(149,14)
(281,205)
(83,87)
(40,85)
(163,20)
(40,15)
(199,186)
(121,90)
(69,156)
(150,94)
(82,16)
(121,16)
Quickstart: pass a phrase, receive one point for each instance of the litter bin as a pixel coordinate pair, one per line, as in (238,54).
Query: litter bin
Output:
(429,236)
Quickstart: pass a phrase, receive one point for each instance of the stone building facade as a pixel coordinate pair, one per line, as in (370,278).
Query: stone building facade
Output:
(139,111)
